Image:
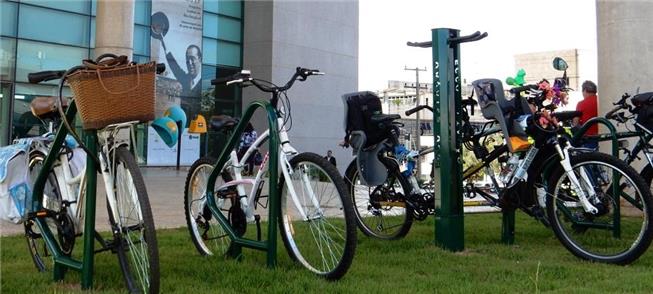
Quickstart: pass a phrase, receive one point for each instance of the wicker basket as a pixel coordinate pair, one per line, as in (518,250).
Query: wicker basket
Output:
(114,95)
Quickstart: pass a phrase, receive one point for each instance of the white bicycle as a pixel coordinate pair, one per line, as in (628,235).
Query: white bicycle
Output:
(316,217)
(62,204)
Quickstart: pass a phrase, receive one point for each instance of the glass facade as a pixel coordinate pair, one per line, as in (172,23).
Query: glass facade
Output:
(29,43)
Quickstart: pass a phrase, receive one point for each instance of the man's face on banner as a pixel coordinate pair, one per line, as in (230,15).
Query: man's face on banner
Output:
(193,61)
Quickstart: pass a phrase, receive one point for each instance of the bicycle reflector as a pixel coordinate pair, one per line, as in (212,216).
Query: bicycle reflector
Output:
(167,130)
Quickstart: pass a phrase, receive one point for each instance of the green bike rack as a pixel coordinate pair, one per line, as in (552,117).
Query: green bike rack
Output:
(447,110)
(612,136)
(270,245)
(62,262)
(449,212)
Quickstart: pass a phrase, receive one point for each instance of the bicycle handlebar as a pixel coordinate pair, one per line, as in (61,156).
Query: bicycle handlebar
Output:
(246,76)
(42,76)
(48,75)
(517,90)
(621,104)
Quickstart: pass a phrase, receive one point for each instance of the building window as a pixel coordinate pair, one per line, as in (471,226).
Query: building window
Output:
(7,58)
(38,56)
(8,21)
(35,23)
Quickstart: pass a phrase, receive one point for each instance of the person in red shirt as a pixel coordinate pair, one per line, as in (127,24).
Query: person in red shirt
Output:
(589,109)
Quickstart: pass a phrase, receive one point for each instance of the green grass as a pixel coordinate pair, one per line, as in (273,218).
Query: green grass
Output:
(537,263)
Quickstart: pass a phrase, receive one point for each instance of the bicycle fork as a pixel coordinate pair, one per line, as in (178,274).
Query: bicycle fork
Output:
(575,183)
(308,190)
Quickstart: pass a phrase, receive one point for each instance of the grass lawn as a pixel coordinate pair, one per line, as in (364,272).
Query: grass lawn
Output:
(413,265)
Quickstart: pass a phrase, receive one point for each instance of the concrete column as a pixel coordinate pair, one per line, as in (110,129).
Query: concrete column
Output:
(114,27)
(282,35)
(625,58)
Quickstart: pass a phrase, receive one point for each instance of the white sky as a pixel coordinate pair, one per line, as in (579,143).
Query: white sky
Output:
(513,27)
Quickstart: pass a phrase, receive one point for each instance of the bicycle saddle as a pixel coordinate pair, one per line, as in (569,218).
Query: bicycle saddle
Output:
(384,118)
(219,122)
(46,107)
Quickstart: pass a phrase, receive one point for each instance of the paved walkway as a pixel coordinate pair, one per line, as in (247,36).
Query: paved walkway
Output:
(165,187)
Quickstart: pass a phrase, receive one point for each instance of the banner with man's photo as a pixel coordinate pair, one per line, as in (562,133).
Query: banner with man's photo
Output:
(176,41)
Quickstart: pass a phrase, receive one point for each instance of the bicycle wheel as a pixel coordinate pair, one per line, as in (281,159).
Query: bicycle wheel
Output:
(381,211)
(59,223)
(207,234)
(132,226)
(324,240)
(620,231)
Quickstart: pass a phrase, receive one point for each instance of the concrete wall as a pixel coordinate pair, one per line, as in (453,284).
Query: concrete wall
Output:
(539,65)
(281,35)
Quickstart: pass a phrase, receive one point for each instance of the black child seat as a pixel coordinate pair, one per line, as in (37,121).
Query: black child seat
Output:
(494,105)
(365,128)
(644,108)
(365,124)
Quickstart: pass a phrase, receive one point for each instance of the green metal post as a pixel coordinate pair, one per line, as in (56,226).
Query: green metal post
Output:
(449,213)
(508,226)
(90,140)
(270,246)
(616,190)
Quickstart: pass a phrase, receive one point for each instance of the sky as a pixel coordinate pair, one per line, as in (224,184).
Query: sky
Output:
(513,27)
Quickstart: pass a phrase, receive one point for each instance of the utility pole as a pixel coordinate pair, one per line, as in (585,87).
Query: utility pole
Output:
(417,129)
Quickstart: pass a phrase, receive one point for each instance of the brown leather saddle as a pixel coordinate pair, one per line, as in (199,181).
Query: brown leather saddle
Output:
(46,107)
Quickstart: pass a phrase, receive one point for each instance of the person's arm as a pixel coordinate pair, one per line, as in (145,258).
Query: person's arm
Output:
(175,68)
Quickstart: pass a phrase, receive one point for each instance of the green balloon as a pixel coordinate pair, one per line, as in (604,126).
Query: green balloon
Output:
(511,81)
(519,78)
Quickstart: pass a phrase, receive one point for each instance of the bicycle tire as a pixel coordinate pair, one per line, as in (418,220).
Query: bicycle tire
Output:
(35,244)
(647,174)
(139,264)
(333,220)
(201,217)
(371,217)
(579,231)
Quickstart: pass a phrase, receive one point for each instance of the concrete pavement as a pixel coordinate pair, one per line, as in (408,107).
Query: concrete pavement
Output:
(165,188)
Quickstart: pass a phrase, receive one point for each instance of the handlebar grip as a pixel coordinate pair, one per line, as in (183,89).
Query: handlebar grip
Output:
(220,81)
(426,44)
(41,76)
(523,88)
(409,112)
(160,67)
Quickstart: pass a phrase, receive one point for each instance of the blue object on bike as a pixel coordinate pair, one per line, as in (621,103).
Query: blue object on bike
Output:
(177,115)
(410,167)
(167,130)
(401,152)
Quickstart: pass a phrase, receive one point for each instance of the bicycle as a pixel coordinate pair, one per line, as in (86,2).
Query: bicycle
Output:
(580,190)
(58,197)
(315,216)
(625,113)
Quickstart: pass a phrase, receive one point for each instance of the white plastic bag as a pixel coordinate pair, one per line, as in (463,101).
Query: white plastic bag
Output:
(15,188)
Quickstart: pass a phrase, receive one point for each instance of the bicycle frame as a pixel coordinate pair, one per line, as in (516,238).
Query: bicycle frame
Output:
(86,196)
(270,245)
